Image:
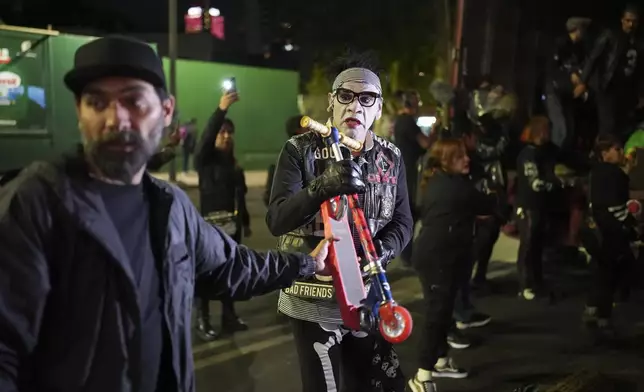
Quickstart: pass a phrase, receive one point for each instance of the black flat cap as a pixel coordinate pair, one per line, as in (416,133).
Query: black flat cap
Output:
(115,56)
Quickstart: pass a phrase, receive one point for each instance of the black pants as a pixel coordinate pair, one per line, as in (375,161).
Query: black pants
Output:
(487,233)
(228,313)
(561,113)
(612,268)
(614,111)
(531,224)
(333,359)
(440,277)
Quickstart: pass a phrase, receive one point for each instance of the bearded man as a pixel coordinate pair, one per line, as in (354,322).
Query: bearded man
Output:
(100,261)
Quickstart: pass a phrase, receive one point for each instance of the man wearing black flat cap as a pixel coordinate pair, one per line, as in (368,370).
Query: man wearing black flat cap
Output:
(100,261)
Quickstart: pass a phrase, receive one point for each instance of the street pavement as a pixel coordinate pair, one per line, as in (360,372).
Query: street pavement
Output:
(527,342)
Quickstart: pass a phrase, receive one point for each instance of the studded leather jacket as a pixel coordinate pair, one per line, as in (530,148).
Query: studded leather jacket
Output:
(489,150)
(295,218)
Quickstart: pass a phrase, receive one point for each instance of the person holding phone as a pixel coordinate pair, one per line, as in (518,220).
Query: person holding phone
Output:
(222,195)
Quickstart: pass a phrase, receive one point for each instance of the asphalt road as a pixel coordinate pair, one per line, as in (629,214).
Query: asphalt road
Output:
(538,342)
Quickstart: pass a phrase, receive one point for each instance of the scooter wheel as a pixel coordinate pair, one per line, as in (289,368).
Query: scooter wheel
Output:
(367,320)
(396,328)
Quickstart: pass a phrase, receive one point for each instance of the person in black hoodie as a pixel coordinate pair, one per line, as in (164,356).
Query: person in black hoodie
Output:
(450,204)
(536,183)
(614,228)
(222,194)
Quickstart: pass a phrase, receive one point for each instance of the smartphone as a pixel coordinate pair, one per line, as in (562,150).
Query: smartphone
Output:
(229,85)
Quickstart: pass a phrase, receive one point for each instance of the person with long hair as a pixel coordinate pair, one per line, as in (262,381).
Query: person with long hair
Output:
(443,252)
(222,199)
(613,227)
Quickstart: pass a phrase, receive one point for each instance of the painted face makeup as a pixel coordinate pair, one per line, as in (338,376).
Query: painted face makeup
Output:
(356,101)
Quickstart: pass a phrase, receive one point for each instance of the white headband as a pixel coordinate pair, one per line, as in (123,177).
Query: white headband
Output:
(361,75)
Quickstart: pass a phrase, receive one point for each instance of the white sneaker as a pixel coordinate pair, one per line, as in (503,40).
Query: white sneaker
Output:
(415,385)
(527,294)
(449,370)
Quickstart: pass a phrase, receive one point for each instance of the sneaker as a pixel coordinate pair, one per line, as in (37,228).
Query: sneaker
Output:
(590,315)
(606,330)
(233,325)
(205,331)
(449,370)
(477,320)
(527,294)
(457,340)
(415,385)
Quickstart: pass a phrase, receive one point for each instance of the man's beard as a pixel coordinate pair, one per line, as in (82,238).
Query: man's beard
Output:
(122,165)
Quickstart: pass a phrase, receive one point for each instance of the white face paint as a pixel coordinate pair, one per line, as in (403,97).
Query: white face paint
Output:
(354,119)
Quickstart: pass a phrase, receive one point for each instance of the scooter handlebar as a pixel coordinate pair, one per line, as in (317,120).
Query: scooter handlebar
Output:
(325,131)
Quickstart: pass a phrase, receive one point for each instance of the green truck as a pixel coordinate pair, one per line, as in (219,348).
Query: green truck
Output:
(37,112)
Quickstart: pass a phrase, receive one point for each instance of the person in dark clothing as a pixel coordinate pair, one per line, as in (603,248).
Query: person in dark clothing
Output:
(563,73)
(222,198)
(413,144)
(100,260)
(465,313)
(443,252)
(331,357)
(613,228)
(614,74)
(488,172)
(167,152)
(293,128)
(536,181)
(189,142)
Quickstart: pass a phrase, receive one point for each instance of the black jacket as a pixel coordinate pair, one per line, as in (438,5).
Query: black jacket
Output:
(222,183)
(568,57)
(450,204)
(609,193)
(536,176)
(608,53)
(491,144)
(386,206)
(295,218)
(69,314)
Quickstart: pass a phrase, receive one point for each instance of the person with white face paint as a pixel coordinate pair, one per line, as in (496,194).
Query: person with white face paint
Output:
(306,175)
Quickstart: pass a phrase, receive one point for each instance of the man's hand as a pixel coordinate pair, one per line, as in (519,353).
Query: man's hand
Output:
(575,79)
(579,90)
(320,254)
(228,99)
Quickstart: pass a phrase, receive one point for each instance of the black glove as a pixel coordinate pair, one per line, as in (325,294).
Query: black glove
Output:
(339,178)
(385,255)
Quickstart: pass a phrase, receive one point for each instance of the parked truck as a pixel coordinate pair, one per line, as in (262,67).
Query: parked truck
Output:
(37,112)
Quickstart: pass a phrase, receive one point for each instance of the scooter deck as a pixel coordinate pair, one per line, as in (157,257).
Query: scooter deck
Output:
(344,265)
